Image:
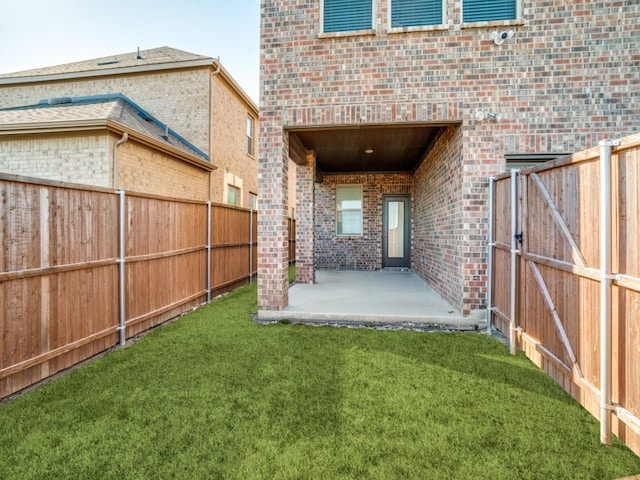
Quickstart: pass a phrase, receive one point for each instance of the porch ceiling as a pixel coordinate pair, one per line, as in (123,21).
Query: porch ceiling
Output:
(343,149)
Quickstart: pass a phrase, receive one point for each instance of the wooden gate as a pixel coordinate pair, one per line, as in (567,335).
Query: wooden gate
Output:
(565,276)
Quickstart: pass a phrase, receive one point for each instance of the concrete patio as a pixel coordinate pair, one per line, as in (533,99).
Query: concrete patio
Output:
(368,298)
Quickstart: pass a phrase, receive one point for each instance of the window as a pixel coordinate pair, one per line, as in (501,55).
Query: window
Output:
(250,135)
(253,201)
(349,210)
(233,195)
(488,10)
(347,15)
(412,13)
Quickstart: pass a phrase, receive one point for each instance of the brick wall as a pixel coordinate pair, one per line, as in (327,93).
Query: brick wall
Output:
(229,149)
(361,252)
(304,190)
(73,158)
(143,169)
(567,79)
(179,98)
(439,233)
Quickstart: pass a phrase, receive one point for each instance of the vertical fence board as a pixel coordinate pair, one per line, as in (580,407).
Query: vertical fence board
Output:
(59,276)
(562,241)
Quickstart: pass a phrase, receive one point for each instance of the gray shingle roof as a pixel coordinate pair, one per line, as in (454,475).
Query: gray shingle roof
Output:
(115,107)
(154,56)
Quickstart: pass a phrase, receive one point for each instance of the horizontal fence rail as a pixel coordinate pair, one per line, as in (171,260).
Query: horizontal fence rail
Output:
(575,305)
(82,269)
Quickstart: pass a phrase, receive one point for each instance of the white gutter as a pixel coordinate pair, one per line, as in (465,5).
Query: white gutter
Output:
(114,158)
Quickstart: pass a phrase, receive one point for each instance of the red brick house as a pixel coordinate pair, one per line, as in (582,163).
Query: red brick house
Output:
(397,111)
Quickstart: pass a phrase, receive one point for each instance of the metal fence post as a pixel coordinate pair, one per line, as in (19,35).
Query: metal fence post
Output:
(606,280)
(251,245)
(513,279)
(490,255)
(121,269)
(208,251)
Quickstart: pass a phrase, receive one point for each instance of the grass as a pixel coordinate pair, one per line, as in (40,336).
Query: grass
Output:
(215,396)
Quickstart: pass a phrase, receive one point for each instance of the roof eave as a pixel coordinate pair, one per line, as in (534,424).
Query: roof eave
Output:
(205,62)
(71,126)
(231,81)
(152,142)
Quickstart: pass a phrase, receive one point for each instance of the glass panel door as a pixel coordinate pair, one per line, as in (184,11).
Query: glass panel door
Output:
(396,232)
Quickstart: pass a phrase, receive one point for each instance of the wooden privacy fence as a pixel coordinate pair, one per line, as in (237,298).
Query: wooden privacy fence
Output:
(83,269)
(564,261)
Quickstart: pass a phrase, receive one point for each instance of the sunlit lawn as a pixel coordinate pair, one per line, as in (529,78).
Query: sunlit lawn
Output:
(215,396)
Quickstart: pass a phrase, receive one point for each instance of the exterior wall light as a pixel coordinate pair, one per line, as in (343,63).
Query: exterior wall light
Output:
(369,151)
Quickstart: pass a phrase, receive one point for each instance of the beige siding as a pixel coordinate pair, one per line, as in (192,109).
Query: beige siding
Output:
(78,159)
(229,150)
(143,169)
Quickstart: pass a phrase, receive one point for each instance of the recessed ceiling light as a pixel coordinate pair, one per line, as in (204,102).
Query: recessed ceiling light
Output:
(368,150)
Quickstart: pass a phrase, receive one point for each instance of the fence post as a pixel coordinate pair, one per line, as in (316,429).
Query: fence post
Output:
(208,251)
(121,268)
(606,279)
(251,244)
(490,255)
(513,279)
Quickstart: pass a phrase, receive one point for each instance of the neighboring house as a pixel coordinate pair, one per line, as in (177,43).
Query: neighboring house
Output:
(396,112)
(193,94)
(103,140)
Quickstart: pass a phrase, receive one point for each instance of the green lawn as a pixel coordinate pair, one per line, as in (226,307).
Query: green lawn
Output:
(214,395)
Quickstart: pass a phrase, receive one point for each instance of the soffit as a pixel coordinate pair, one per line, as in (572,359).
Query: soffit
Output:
(397,148)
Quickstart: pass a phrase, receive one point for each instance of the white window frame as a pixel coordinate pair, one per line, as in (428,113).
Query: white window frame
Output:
(251,135)
(238,195)
(339,209)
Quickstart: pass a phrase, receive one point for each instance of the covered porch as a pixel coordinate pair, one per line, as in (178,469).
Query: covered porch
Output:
(370,198)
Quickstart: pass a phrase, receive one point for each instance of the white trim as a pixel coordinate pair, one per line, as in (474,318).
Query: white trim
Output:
(361,210)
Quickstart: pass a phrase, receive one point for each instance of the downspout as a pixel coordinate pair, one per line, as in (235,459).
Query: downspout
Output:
(114,159)
(122,319)
(211,120)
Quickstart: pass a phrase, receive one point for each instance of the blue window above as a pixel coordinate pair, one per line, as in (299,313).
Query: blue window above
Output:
(347,15)
(412,13)
(488,10)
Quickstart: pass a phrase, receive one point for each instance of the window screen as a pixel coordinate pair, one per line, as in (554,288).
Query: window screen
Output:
(347,15)
(411,13)
(488,10)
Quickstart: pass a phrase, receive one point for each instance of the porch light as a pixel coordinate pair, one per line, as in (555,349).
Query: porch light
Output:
(368,151)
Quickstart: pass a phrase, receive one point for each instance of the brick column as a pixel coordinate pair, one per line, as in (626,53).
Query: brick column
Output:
(273,226)
(305,233)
